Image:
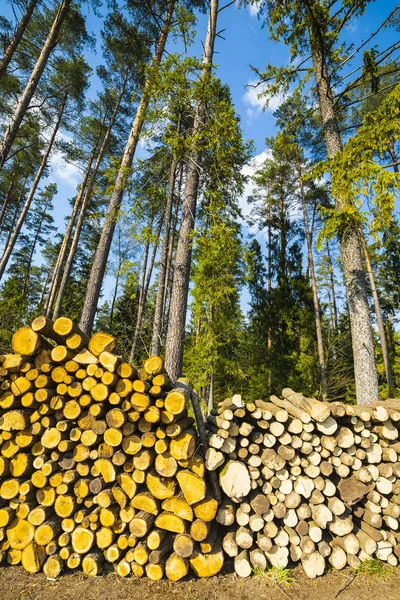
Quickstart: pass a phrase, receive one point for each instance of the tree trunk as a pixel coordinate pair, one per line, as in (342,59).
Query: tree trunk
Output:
(103,248)
(6,201)
(379,320)
(11,230)
(141,294)
(10,246)
(33,248)
(46,281)
(332,279)
(75,241)
(22,25)
(162,271)
(269,290)
(172,237)
(143,298)
(320,342)
(180,285)
(60,264)
(393,156)
(366,376)
(34,79)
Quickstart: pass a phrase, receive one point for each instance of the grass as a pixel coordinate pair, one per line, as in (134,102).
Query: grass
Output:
(276,575)
(375,568)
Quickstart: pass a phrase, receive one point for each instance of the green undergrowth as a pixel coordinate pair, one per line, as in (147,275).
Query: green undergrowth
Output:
(375,568)
(276,575)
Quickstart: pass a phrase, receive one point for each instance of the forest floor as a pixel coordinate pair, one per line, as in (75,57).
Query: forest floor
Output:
(16,584)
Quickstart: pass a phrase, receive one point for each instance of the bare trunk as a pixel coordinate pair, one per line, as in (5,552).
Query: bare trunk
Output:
(210,402)
(332,280)
(366,376)
(14,219)
(162,271)
(269,290)
(9,52)
(379,320)
(169,266)
(46,281)
(65,270)
(320,343)
(393,156)
(10,246)
(180,286)
(6,201)
(62,255)
(103,249)
(115,294)
(33,248)
(34,79)
(143,293)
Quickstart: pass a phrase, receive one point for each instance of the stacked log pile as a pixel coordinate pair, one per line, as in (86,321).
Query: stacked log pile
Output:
(307,481)
(99,461)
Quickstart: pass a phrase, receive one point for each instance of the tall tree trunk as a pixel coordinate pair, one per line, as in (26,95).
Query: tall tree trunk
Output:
(22,25)
(172,239)
(141,295)
(103,249)
(269,290)
(393,156)
(44,288)
(379,320)
(14,219)
(23,104)
(317,314)
(114,298)
(332,280)
(366,376)
(210,400)
(162,271)
(142,303)
(183,257)
(62,255)
(6,201)
(33,248)
(66,269)
(10,246)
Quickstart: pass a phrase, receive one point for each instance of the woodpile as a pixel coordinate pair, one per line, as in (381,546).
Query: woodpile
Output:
(99,462)
(306,481)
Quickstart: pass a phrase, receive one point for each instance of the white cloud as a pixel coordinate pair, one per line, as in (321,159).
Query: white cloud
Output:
(249,171)
(63,171)
(254,8)
(252,97)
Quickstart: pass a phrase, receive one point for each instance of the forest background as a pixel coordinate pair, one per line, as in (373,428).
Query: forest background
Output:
(215,117)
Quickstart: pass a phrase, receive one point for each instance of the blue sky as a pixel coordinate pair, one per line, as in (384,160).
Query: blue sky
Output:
(245,43)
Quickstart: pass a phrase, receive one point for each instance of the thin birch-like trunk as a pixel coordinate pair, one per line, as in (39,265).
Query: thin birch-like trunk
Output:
(141,294)
(33,248)
(60,264)
(162,271)
(379,320)
(332,282)
(311,268)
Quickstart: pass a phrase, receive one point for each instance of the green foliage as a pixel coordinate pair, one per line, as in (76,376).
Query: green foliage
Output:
(279,575)
(375,568)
